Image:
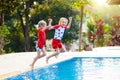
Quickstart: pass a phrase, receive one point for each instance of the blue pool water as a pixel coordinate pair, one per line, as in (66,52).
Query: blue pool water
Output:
(76,69)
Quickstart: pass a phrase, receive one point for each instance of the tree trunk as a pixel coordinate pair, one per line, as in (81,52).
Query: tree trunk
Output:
(1,44)
(1,37)
(27,40)
(25,26)
(80,32)
(1,19)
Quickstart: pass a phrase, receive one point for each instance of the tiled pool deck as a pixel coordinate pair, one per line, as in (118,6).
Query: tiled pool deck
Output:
(15,63)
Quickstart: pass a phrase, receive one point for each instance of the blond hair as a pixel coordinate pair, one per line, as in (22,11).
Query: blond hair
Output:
(61,19)
(42,23)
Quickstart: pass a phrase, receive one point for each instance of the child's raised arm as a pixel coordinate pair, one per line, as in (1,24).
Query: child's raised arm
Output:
(70,21)
(50,24)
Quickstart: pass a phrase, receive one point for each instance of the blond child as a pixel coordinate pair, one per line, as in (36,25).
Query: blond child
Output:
(59,32)
(41,34)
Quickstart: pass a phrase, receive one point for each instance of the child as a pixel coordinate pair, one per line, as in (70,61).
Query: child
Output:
(59,32)
(41,34)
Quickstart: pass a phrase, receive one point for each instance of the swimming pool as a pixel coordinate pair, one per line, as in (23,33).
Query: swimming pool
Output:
(77,68)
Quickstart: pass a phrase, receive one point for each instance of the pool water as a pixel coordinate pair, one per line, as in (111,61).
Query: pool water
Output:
(76,69)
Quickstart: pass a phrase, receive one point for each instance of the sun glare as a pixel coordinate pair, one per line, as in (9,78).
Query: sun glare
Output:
(101,2)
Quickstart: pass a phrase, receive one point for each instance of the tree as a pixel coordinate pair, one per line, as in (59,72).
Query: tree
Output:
(80,4)
(23,13)
(7,7)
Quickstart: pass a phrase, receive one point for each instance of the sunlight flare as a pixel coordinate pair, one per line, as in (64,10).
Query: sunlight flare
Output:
(101,2)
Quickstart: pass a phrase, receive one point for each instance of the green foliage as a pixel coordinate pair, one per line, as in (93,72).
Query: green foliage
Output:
(90,27)
(3,31)
(43,15)
(78,3)
(72,33)
(14,40)
(8,6)
(60,9)
(107,29)
(90,31)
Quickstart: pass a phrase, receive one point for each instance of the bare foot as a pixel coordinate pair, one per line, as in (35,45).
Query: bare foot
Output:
(32,66)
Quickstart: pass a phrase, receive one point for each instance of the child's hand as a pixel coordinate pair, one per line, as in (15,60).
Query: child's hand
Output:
(49,23)
(50,20)
(70,18)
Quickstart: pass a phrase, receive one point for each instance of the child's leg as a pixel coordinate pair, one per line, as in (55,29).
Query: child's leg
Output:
(39,55)
(43,53)
(35,59)
(54,54)
(62,49)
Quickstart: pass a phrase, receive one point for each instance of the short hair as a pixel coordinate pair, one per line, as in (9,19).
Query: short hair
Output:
(42,23)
